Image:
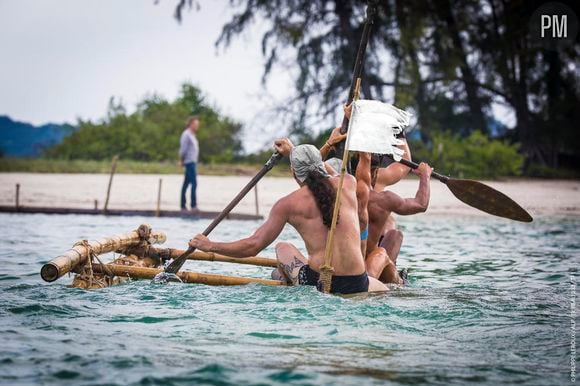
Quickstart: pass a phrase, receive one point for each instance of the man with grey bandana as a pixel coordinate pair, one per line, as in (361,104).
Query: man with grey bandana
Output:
(306,159)
(309,210)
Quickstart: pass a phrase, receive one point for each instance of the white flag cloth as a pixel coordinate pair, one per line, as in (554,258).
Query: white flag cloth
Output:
(373,126)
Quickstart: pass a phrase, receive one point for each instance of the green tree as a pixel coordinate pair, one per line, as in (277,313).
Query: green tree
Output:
(475,156)
(464,55)
(152,132)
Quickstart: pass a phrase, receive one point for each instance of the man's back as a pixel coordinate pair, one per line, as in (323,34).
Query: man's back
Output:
(306,218)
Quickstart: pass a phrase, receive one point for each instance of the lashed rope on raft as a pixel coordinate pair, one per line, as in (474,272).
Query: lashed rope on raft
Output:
(87,274)
(88,279)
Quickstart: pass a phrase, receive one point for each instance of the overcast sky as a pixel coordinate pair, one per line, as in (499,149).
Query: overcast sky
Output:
(64,59)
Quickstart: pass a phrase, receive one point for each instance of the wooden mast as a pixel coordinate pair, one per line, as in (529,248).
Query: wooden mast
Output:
(326,270)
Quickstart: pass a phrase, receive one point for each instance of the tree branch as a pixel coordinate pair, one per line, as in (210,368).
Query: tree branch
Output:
(450,79)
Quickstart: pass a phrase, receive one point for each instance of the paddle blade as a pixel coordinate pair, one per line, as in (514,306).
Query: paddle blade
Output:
(487,199)
(177,263)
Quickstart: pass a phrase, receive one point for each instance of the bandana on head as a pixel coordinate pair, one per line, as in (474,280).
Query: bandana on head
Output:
(306,159)
(335,163)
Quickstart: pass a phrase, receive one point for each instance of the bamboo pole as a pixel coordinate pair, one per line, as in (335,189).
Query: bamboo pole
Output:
(158,209)
(254,260)
(79,253)
(113,169)
(170,253)
(17,196)
(326,269)
(186,276)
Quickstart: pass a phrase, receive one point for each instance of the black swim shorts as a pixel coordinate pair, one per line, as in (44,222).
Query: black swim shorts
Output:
(340,284)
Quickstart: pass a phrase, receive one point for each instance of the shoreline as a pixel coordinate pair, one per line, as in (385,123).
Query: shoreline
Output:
(139,191)
(55,166)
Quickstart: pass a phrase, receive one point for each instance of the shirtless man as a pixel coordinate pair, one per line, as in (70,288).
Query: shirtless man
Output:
(387,176)
(309,210)
(383,243)
(380,240)
(392,238)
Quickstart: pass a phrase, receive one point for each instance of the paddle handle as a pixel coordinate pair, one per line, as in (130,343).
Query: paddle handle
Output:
(176,264)
(414,165)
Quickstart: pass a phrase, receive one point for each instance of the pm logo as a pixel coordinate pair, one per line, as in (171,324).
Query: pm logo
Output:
(553,26)
(557,24)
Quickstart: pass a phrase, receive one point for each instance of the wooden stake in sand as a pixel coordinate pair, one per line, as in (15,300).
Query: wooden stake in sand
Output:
(17,196)
(256,201)
(113,169)
(158,209)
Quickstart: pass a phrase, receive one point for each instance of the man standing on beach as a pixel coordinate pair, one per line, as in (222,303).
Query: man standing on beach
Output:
(188,157)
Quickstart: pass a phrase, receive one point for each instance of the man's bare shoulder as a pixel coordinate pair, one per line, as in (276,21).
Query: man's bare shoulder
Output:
(349,180)
(294,197)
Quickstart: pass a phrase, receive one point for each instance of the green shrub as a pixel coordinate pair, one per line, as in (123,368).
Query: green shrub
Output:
(476,156)
(152,132)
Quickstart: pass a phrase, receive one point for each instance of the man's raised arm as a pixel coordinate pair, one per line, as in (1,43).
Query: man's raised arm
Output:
(335,137)
(363,188)
(418,204)
(395,172)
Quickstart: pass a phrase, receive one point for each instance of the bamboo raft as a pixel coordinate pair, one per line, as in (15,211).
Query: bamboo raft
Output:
(139,259)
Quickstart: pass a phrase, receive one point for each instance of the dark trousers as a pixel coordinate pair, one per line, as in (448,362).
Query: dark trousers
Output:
(190,179)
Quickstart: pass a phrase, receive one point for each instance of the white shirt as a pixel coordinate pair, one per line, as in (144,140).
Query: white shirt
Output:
(189,147)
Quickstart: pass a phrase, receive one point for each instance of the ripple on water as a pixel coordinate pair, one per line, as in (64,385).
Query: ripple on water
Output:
(489,306)
(43,309)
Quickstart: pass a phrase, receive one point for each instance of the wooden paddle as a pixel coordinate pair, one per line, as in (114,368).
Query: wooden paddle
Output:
(480,196)
(176,264)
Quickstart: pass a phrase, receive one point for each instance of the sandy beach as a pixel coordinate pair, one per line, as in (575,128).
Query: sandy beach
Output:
(539,197)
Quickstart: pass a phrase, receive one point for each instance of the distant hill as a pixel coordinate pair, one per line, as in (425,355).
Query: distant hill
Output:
(20,139)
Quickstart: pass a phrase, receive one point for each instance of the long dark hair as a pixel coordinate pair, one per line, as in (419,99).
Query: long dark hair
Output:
(324,195)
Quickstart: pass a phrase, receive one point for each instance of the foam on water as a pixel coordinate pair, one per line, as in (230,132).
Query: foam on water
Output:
(488,303)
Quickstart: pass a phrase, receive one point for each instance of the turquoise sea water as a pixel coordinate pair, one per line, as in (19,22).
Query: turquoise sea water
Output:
(489,303)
